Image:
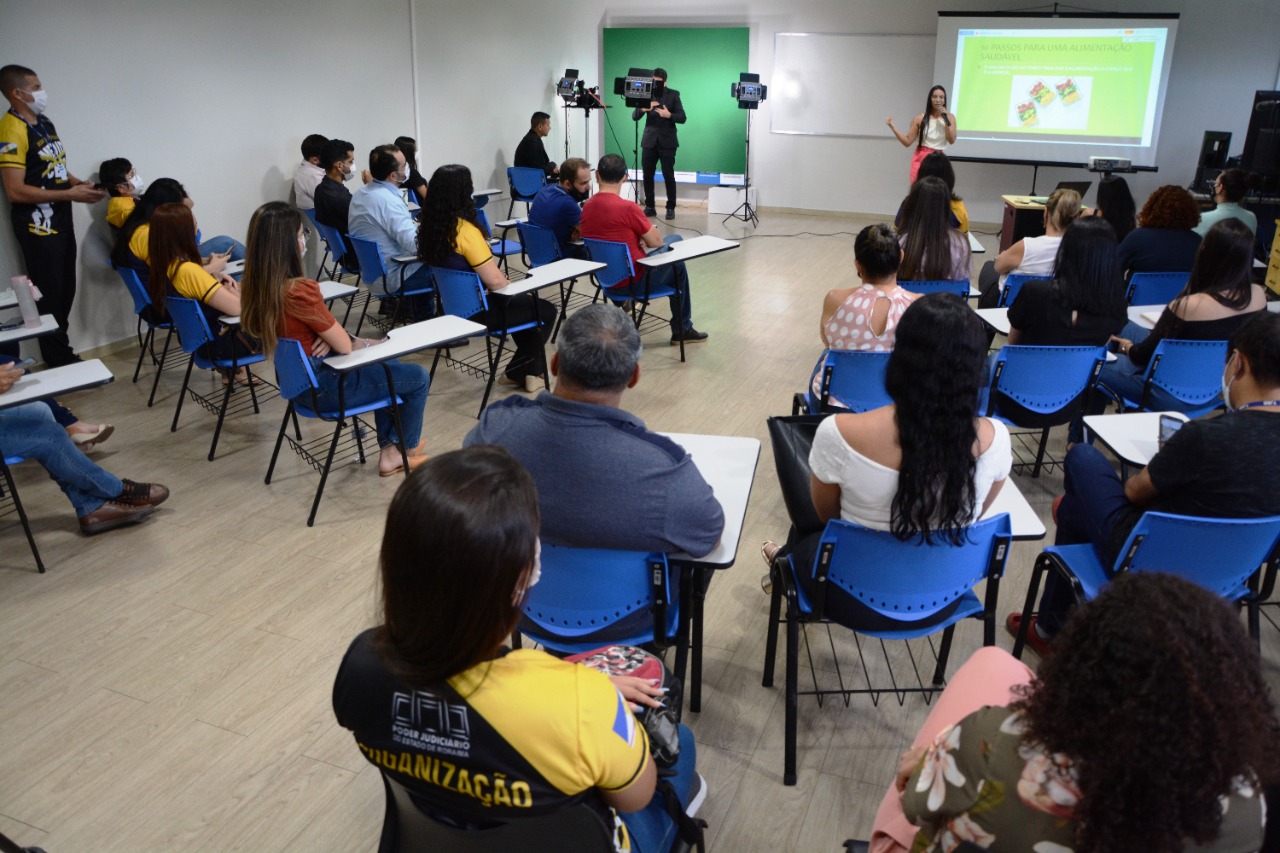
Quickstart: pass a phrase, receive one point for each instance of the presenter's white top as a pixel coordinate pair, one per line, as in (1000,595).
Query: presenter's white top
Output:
(935,133)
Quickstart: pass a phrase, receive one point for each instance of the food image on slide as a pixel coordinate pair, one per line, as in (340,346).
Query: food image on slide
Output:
(1056,89)
(1047,111)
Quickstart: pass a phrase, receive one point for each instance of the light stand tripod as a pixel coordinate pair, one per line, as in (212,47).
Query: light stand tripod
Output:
(745,211)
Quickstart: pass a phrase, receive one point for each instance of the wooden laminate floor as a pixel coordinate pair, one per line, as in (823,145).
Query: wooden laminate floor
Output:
(166,687)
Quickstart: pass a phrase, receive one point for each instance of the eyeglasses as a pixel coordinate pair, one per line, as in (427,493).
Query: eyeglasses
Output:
(306,232)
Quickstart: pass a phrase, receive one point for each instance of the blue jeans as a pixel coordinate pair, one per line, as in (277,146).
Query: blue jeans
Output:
(1125,378)
(672,275)
(220,244)
(30,432)
(651,829)
(369,383)
(1090,510)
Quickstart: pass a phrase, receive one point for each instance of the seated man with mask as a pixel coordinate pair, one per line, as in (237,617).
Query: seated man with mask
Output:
(378,213)
(558,207)
(333,199)
(1225,467)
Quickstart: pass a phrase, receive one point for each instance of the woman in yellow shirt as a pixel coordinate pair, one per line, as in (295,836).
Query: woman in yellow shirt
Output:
(176,271)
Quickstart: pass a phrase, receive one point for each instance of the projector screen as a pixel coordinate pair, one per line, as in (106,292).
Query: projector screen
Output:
(1055,90)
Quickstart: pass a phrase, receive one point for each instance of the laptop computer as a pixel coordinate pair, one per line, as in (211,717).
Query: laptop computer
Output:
(1081,187)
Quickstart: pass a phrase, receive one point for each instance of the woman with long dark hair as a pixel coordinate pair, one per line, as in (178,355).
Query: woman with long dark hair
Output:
(938,165)
(1116,205)
(932,130)
(924,466)
(931,248)
(1218,299)
(281,302)
(131,249)
(1083,305)
(1151,728)
(176,271)
(520,732)
(409,148)
(449,236)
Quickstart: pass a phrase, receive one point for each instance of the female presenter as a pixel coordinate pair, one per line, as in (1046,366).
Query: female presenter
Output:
(932,130)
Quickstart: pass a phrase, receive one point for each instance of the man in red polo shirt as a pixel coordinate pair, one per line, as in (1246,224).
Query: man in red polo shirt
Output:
(609,216)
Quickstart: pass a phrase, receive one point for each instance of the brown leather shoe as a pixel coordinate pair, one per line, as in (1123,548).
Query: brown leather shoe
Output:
(142,494)
(113,514)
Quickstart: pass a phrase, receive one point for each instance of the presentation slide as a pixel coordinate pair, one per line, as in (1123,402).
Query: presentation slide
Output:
(1054,89)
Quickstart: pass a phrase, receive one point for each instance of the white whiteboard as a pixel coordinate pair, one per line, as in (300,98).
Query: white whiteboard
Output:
(843,84)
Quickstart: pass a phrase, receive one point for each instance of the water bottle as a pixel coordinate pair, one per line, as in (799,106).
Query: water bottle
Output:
(25,292)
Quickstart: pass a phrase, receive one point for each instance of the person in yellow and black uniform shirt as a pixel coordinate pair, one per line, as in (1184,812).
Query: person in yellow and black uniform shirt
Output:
(481,735)
(176,271)
(33,166)
(449,237)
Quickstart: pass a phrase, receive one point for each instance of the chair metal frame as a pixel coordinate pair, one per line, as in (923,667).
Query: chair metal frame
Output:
(910,589)
(332,236)
(1191,547)
(193,333)
(328,249)
(539,247)
(146,343)
(463,294)
(1058,396)
(618,269)
(297,379)
(855,379)
(11,492)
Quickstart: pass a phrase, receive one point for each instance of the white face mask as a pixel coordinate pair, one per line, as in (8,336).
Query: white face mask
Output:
(302,244)
(351,171)
(40,103)
(535,574)
(1226,388)
(404,182)
(136,181)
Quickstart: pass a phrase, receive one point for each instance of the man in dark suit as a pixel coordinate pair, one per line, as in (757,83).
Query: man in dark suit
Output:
(660,142)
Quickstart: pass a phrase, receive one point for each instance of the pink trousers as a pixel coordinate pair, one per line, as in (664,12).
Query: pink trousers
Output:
(987,678)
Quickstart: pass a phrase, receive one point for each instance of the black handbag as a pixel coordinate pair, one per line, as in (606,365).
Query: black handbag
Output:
(792,439)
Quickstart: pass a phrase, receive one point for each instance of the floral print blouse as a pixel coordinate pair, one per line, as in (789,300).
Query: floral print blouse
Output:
(980,783)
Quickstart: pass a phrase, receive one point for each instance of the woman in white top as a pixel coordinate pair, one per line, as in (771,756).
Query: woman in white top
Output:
(864,318)
(930,131)
(1031,255)
(924,466)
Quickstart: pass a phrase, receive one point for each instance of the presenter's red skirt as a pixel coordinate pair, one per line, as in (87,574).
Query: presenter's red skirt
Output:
(922,151)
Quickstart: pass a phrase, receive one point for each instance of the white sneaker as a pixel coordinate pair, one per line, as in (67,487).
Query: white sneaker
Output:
(699,794)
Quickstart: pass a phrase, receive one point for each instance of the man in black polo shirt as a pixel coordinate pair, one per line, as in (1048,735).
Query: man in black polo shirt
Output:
(531,153)
(1223,467)
(333,199)
(33,166)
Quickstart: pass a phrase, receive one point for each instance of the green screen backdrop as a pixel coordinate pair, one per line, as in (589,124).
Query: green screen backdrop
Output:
(701,64)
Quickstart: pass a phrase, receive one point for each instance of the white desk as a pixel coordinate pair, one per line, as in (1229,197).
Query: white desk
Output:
(329,291)
(56,381)
(8,299)
(1132,437)
(549,274)
(408,339)
(975,247)
(48,325)
(728,464)
(686,250)
(996,318)
(1023,520)
(1273,307)
(1137,312)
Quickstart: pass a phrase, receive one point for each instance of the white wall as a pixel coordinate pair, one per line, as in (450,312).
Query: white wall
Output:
(220,94)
